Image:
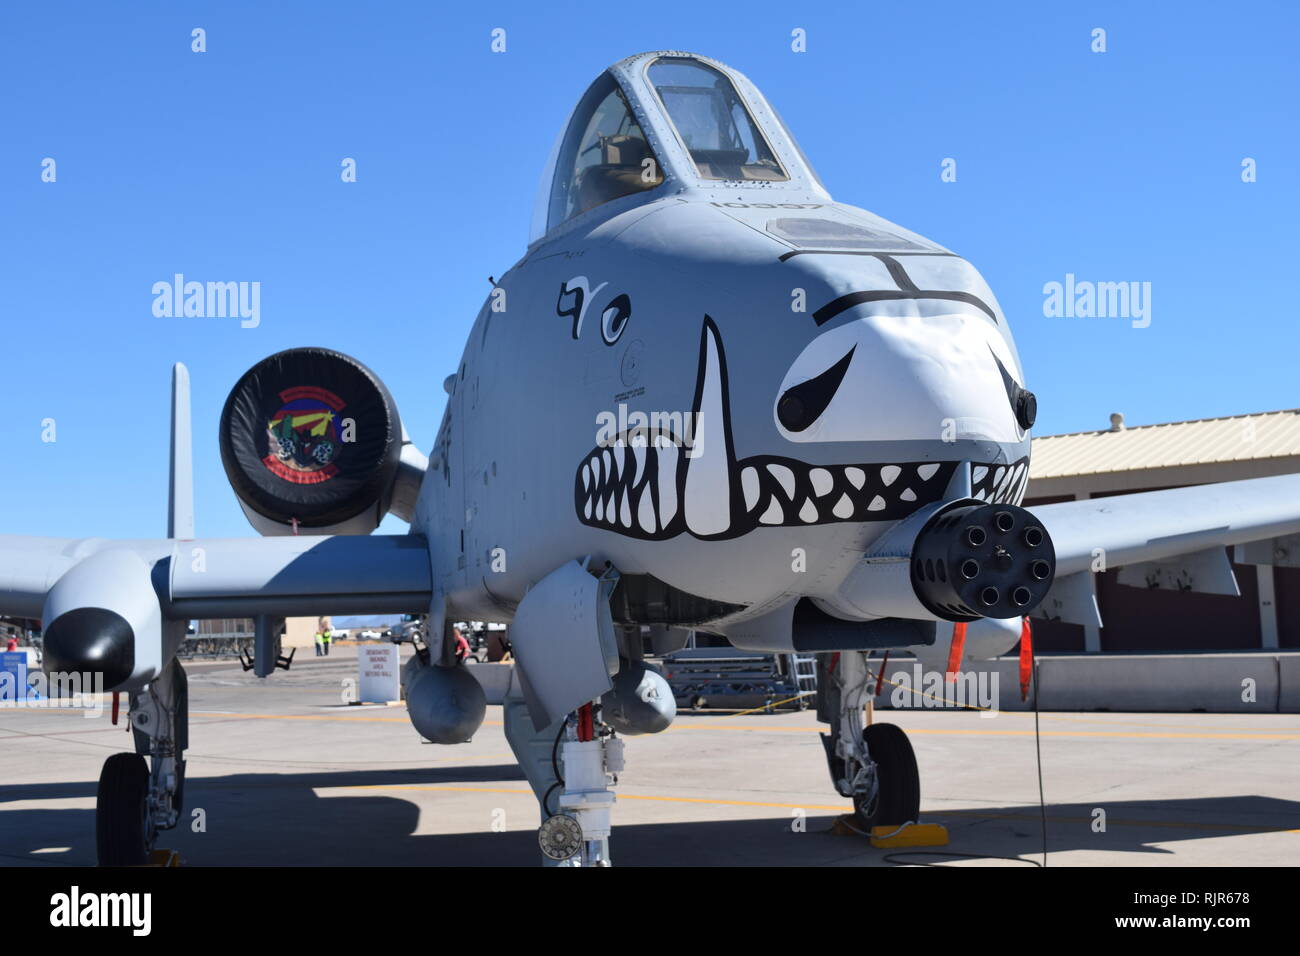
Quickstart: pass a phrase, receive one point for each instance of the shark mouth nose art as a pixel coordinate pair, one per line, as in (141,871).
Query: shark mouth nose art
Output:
(651,483)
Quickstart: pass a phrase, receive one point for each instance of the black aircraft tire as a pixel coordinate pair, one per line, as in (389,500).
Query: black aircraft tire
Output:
(898,797)
(120,811)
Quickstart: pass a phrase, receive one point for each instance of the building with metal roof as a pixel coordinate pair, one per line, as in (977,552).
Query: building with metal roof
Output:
(1123,458)
(1138,614)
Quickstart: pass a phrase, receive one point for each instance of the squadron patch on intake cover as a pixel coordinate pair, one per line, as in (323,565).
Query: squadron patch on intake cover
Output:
(303,436)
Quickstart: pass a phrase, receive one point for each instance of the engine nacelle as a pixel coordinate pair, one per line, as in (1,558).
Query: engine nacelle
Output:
(446,704)
(311,439)
(103,618)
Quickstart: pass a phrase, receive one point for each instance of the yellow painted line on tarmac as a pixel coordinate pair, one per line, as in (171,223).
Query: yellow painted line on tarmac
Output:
(759,728)
(359,719)
(963,732)
(1189,825)
(838,808)
(750,728)
(1108,733)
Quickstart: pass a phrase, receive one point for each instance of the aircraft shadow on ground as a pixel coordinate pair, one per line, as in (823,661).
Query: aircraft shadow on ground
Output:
(280,819)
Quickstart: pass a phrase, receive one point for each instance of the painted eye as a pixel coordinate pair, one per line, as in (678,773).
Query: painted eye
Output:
(804,403)
(1024,404)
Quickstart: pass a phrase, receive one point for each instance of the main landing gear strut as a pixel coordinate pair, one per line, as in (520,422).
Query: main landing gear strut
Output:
(572,766)
(137,797)
(577,824)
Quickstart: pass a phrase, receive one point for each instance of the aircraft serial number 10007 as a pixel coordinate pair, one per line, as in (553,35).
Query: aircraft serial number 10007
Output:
(708,398)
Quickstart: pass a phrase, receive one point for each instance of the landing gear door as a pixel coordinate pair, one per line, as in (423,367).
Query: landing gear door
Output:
(563,641)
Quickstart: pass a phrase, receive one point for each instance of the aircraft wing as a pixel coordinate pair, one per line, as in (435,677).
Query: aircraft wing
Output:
(1174,538)
(235,577)
(120,607)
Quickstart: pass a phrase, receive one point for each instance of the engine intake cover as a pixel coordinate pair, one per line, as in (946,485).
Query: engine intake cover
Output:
(311,435)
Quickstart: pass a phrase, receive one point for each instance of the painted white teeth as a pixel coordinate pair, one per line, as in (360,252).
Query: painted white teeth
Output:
(785,476)
(645,512)
(638,452)
(667,456)
(618,490)
(749,484)
(1004,485)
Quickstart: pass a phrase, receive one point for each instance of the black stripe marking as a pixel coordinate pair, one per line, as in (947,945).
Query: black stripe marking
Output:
(857,252)
(846,302)
(899,274)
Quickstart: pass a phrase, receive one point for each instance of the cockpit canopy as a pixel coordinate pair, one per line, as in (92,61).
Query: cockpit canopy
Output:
(712,122)
(604,154)
(657,118)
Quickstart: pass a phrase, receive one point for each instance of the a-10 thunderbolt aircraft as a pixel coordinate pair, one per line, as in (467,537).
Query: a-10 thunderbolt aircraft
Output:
(708,398)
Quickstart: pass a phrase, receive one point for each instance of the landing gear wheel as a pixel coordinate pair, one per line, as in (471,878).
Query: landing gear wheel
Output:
(560,837)
(121,811)
(897,796)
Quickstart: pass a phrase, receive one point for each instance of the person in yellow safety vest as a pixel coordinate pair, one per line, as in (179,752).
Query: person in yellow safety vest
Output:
(324,631)
(325,639)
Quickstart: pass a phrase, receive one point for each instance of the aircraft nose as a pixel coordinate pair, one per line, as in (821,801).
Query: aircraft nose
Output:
(90,640)
(898,377)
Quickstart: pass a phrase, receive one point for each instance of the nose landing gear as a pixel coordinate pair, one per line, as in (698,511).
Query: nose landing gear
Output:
(895,798)
(873,766)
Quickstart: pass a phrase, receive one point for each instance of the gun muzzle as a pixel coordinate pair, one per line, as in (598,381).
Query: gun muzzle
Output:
(978,561)
(961,561)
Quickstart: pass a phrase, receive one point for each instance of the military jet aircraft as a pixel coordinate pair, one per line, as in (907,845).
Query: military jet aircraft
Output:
(708,398)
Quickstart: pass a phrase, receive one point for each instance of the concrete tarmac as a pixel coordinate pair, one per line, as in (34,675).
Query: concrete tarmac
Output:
(285,773)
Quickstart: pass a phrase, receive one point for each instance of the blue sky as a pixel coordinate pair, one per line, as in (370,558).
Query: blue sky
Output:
(1115,166)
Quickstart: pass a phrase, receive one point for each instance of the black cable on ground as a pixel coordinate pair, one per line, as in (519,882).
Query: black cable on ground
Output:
(1042,807)
(1038,755)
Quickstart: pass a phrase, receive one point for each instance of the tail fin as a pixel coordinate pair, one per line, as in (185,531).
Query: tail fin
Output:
(180,484)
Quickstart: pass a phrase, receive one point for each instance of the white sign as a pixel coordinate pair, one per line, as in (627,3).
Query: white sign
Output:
(379,673)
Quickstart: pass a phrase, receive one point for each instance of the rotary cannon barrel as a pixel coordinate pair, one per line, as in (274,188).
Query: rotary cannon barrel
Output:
(978,561)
